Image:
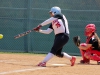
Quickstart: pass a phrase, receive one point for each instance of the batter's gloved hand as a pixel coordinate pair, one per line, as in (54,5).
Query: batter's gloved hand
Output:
(37,28)
(76,40)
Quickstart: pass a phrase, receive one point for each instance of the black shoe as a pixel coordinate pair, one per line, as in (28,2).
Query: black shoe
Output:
(85,62)
(98,62)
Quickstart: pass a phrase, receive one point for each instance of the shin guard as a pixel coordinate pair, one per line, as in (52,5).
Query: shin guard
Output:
(84,58)
(94,57)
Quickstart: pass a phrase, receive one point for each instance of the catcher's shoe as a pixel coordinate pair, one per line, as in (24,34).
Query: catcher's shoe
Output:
(85,62)
(42,64)
(98,62)
(73,60)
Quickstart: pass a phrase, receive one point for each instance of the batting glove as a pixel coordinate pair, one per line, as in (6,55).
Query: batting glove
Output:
(37,28)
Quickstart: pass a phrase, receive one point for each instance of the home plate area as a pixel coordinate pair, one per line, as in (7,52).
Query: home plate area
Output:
(58,64)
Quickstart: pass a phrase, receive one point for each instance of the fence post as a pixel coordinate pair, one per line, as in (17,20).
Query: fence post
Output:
(27,38)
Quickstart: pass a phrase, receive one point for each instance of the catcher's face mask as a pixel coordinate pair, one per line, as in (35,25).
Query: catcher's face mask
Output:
(89,29)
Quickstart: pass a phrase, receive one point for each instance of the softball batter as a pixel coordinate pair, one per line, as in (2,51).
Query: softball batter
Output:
(58,24)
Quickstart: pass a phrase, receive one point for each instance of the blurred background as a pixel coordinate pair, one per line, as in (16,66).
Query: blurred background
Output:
(17,16)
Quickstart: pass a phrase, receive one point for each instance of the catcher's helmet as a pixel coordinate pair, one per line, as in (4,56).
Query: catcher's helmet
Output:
(55,10)
(89,29)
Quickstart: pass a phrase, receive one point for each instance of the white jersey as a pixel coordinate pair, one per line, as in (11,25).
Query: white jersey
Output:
(58,23)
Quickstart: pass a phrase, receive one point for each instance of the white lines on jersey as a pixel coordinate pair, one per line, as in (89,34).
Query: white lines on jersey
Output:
(23,70)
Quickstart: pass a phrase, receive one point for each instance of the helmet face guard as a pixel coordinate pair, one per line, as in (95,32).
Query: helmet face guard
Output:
(89,29)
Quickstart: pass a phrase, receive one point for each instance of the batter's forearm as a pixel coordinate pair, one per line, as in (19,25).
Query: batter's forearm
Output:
(48,31)
(48,21)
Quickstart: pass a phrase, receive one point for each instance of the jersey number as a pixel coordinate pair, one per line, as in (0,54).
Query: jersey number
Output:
(56,23)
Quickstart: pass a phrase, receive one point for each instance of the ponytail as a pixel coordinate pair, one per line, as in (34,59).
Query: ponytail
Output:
(97,37)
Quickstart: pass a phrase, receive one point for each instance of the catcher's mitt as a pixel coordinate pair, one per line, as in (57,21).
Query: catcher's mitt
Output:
(76,40)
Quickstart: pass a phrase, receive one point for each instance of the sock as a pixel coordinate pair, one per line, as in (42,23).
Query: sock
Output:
(67,56)
(48,57)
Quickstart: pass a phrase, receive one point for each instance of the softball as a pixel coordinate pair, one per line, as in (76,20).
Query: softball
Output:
(1,36)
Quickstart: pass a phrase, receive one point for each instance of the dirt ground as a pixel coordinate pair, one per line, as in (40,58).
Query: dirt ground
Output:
(25,64)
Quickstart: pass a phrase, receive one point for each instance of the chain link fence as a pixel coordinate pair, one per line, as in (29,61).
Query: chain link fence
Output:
(17,16)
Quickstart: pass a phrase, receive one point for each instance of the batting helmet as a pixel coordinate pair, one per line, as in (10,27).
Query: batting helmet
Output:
(89,29)
(55,10)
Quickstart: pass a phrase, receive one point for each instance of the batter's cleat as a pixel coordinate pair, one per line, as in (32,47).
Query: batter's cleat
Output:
(85,62)
(98,62)
(73,60)
(42,64)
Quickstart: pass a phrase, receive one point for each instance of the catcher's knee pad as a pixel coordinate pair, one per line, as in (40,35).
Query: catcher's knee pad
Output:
(60,55)
(83,55)
(94,57)
(87,55)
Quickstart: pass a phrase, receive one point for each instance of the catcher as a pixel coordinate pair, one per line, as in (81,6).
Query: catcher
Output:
(58,24)
(91,49)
